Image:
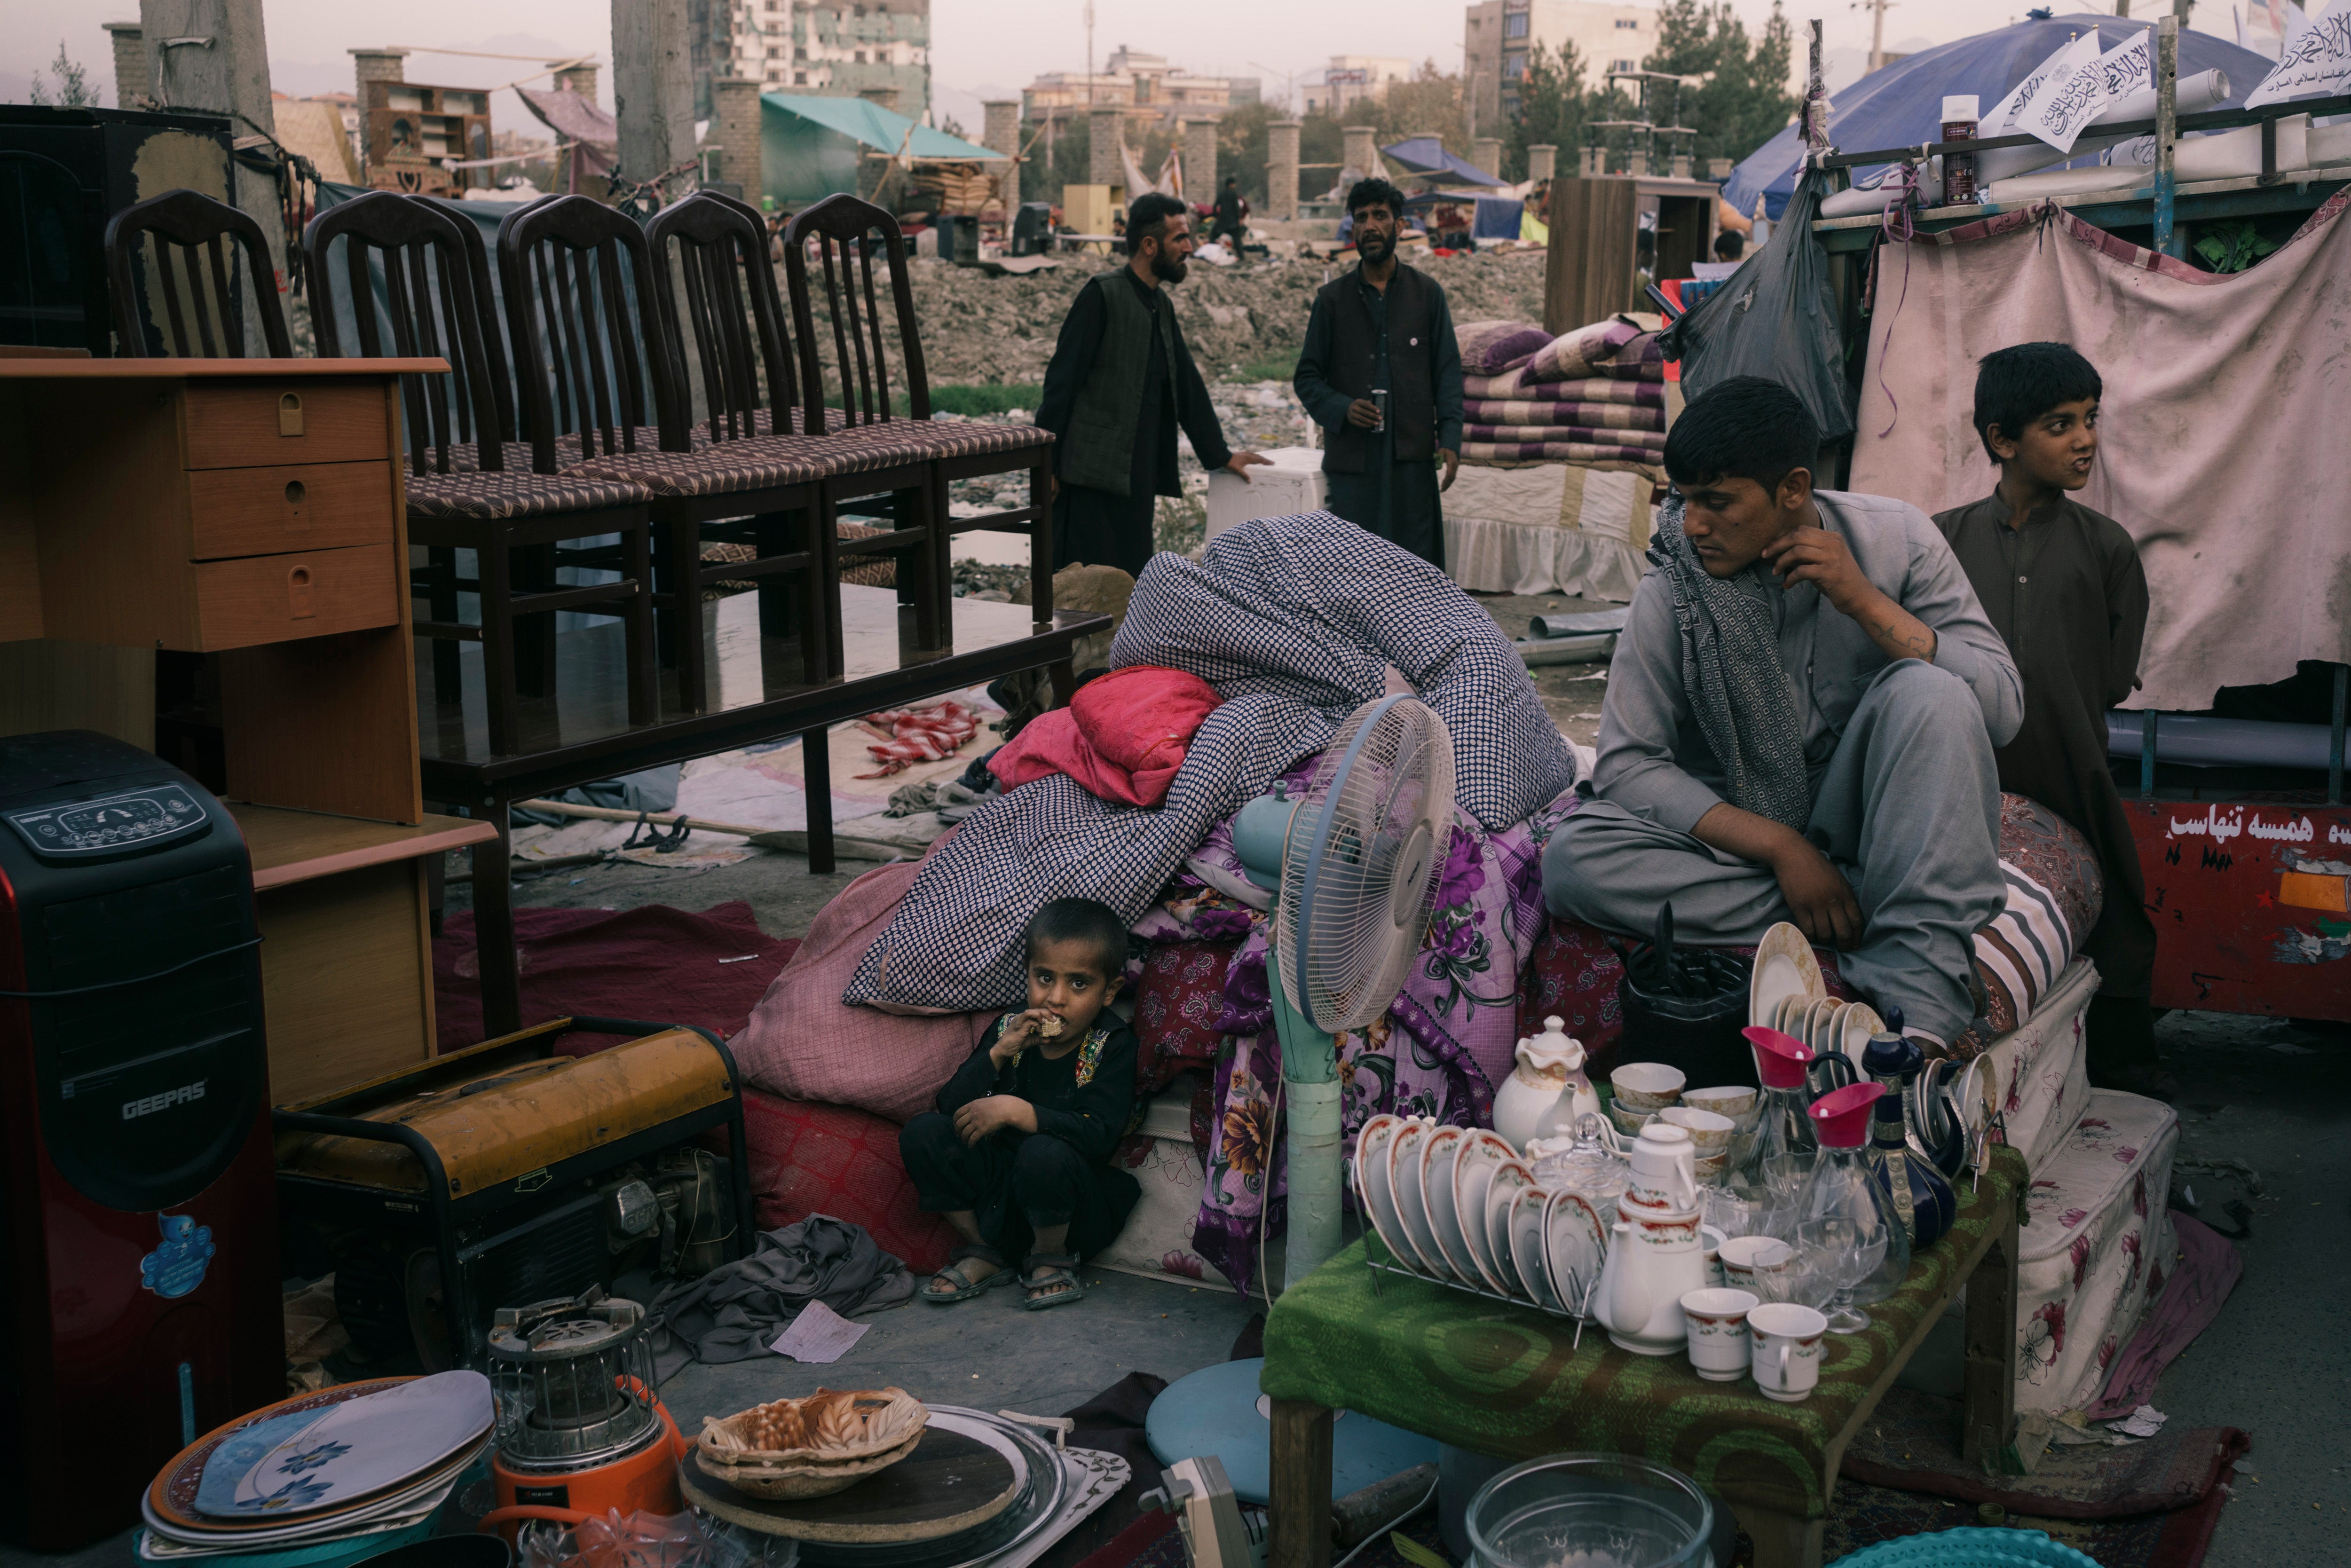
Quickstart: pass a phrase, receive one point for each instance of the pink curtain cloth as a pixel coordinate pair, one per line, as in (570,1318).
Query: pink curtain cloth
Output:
(2222,447)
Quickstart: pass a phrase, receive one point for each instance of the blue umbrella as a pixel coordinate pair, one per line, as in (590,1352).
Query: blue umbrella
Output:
(1902,105)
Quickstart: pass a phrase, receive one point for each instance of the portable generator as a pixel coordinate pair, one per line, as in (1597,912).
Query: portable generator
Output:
(138,1298)
(511,1172)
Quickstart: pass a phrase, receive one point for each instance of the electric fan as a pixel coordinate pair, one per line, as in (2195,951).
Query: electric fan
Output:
(1353,863)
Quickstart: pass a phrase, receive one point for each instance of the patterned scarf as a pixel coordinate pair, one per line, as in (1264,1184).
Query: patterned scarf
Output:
(1745,705)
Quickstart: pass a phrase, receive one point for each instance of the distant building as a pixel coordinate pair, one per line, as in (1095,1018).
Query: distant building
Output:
(1499,35)
(1349,79)
(874,49)
(1145,84)
(344,106)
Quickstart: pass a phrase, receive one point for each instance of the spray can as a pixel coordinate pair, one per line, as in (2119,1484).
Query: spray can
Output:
(1960,115)
(1380,396)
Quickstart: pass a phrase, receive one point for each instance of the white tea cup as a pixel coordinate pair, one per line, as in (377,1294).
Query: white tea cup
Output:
(1718,1332)
(1713,1238)
(1747,1259)
(1785,1349)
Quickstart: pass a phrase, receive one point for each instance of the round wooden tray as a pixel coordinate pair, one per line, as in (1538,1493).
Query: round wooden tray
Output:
(949,1483)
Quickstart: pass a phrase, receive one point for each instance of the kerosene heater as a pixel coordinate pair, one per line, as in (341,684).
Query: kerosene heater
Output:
(579,1429)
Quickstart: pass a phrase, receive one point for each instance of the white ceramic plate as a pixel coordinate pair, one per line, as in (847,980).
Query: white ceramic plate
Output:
(1818,1019)
(1482,1153)
(1438,1158)
(1412,1205)
(1787,1016)
(1373,1196)
(1527,1245)
(1511,1178)
(1573,1247)
(1784,966)
(1855,1026)
(366,1444)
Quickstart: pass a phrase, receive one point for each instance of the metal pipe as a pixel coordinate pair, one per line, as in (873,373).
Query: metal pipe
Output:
(2335,741)
(2226,742)
(2166,131)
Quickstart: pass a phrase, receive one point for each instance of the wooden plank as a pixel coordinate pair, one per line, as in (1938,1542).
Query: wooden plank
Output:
(1299,1485)
(289,420)
(103,468)
(14,369)
(343,984)
(327,724)
(1588,273)
(78,685)
(1987,1390)
(287,847)
(20,534)
(266,511)
(307,593)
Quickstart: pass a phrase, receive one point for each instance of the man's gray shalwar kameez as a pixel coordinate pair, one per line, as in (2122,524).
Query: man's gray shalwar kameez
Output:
(1906,798)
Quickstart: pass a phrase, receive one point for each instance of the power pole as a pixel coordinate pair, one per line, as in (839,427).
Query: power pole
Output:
(1877,9)
(1089,54)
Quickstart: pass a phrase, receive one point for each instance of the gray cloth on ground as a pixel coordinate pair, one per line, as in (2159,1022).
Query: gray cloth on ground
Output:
(1742,699)
(1924,862)
(735,1312)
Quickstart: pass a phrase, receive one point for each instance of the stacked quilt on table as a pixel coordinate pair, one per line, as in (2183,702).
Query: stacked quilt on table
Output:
(1514,415)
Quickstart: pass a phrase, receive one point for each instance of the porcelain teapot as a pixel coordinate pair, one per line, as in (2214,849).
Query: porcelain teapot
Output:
(1665,1172)
(1546,1091)
(1654,1259)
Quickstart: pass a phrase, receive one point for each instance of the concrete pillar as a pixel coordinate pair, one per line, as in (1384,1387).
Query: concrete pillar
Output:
(374,65)
(1719,169)
(734,108)
(1003,122)
(1542,162)
(652,93)
(1485,152)
(580,79)
(881,97)
(1105,166)
(1362,154)
(131,79)
(1681,165)
(231,76)
(1637,161)
(1281,168)
(1593,161)
(1201,181)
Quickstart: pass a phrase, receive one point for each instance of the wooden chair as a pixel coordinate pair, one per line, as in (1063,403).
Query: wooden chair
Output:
(192,225)
(891,454)
(431,303)
(725,332)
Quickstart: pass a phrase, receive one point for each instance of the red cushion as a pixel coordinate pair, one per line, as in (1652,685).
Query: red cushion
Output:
(808,1158)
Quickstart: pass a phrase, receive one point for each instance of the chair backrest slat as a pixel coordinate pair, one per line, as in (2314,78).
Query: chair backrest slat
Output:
(726,325)
(190,226)
(588,340)
(859,230)
(431,305)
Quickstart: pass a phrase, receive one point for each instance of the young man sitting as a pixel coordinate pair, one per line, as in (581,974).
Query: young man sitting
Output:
(1799,724)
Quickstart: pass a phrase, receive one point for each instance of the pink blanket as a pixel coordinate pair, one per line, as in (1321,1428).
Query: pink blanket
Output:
(2221,443)
(1124,735)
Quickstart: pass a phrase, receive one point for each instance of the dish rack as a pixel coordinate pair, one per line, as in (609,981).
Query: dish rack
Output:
(1380,1261)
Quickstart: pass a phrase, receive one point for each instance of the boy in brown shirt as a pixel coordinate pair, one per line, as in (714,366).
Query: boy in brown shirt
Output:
(2063,586)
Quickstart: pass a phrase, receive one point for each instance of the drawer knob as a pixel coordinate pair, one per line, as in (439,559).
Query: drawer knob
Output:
(294,493)
(289,414)
(297,594)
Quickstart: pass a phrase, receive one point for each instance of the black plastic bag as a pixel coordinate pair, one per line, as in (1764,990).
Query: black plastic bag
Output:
(1776,317)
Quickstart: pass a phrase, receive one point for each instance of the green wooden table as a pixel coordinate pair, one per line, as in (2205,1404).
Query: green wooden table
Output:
(1507,1380)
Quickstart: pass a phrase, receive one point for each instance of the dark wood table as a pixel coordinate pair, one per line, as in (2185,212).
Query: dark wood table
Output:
(757,692)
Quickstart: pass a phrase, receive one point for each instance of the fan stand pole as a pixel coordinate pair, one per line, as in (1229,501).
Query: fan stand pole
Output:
(1310,1072)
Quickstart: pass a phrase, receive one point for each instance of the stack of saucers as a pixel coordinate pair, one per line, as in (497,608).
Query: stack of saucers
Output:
(321,1478)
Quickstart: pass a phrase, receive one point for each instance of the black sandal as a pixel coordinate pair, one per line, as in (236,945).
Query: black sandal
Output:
(965,1287)
(1057,1285)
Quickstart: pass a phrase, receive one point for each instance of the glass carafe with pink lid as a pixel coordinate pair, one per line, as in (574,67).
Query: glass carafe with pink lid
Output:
(1845,1184)
(1783,1125)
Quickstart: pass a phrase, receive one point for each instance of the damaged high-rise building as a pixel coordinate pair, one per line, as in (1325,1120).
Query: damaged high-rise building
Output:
(878,49)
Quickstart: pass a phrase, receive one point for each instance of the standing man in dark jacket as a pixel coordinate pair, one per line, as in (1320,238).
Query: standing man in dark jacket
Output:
(1383,335)
(1120,382)
(1230,212)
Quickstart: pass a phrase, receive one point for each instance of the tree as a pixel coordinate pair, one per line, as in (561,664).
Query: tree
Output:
(1745,100)
(1433,103)
(1552,107)
(72,89)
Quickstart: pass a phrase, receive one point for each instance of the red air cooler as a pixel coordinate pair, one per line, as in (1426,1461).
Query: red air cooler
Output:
(139,1289)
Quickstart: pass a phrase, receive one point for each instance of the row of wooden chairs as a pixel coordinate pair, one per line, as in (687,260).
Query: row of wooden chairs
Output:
(568,419)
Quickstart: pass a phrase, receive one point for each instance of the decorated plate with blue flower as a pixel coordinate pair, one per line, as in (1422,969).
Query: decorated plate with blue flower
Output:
(363,1446)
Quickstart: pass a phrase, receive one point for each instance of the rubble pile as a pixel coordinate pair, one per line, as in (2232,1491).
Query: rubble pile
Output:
(983,329)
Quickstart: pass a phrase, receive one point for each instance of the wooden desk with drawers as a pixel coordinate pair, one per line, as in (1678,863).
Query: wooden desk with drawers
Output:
(251,508)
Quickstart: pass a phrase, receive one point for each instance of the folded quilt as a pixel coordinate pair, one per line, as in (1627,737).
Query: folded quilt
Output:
(1590,416)
(1619,348)
(1517,384)
(1490,346)
(1124,735)
(1556,450)
(1649,441)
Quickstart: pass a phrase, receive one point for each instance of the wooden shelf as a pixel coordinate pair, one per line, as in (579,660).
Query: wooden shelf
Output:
(47,368)
(288,847)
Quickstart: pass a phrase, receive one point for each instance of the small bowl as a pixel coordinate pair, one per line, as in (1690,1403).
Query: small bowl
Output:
(1647,1085)
(1708,1170)
(1709,1135)
(1630,1122)
(1730,1100)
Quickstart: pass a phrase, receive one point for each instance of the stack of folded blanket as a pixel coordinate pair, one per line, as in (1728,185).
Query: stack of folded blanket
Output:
(1595,394)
